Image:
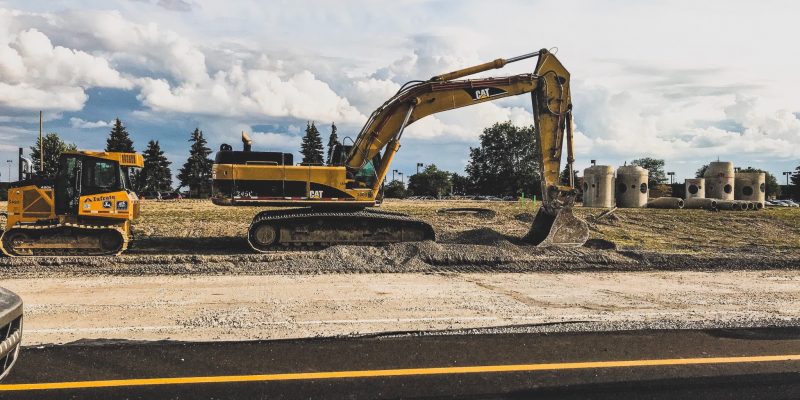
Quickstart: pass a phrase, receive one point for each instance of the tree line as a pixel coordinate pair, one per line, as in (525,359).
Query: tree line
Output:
(503,164)
(155,176)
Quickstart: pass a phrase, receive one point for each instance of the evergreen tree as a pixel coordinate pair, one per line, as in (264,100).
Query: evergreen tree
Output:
(196,172)
(564,176)
(118,139)
(506,162)
(796,183)
(701,172)
(311,149)
(333,140)
(156,175)
(53,147)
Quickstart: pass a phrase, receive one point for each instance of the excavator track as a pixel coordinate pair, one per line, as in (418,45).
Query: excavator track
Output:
(308,228)
(65,239)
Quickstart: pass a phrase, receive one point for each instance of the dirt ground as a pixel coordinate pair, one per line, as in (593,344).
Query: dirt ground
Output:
(189,275)
(196,237)
(59,310)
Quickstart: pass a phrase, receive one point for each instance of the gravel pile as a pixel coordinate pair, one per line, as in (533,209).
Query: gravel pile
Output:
(477,250)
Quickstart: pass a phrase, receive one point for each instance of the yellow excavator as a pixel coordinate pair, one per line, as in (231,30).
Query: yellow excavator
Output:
(332,203)
(85,211)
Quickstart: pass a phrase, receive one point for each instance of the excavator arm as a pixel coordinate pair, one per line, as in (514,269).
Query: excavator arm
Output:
(549,86)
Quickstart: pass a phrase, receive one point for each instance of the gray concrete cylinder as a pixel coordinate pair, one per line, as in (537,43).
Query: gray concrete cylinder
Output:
(598,186)
(666,202)
(751,186)
(719,180)
(695,188)
(631,186)
(698,203)
(730,205)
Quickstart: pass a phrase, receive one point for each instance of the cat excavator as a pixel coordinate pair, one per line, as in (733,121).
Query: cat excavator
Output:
(334,203)
(86,210)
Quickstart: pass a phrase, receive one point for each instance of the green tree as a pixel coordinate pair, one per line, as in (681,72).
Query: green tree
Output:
(311,148)
(53,147)
(333,140)
(430,182)
(461,184)
(655,168)
(701,172)
(155,175)
(118,139)
(506,161)
(564,176)
(772,187)
(796,183)
(196,172)
(394,190)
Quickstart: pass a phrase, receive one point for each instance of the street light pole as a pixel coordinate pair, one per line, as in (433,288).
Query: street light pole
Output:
(401,177)
(419,164)
(9,169)
(671,177)
(787,173)
(393,171)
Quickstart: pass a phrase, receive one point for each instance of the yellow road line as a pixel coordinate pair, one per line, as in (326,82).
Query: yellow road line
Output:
(397,372)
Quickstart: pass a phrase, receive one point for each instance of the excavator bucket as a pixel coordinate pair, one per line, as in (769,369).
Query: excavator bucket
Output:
(557,227)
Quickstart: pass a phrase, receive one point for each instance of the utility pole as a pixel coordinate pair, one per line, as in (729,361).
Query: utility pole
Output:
(787,173)
(419,164)
(41,146)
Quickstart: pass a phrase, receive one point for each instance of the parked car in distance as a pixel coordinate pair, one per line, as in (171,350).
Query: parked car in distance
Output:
(10,329)
(171,196)
(150,195)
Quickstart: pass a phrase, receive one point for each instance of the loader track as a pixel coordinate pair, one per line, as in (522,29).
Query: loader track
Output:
(310,229)
(67,239)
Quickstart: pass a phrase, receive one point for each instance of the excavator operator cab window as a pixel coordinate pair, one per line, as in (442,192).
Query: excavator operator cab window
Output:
(367,175)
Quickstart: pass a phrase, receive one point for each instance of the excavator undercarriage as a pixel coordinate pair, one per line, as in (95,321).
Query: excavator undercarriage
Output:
(305,228)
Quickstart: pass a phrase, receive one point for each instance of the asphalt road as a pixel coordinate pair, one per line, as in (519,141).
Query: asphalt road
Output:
(751,363)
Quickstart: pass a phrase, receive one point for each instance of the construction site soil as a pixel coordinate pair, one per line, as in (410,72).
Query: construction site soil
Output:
(194,237)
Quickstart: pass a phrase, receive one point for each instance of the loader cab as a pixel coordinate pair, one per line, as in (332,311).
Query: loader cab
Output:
(80,175)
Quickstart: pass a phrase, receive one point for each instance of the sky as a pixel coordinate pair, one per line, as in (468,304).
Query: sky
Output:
(686,81)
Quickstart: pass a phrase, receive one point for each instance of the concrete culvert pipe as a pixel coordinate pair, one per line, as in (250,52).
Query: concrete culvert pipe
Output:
(759,205)
(701,204)
(666,202)
(729,205)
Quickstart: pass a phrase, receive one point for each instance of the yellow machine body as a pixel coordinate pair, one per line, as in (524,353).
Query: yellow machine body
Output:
(87,208)
(355,174)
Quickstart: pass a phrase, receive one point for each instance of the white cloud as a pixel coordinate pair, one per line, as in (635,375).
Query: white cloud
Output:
(35,74)
(83,124)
